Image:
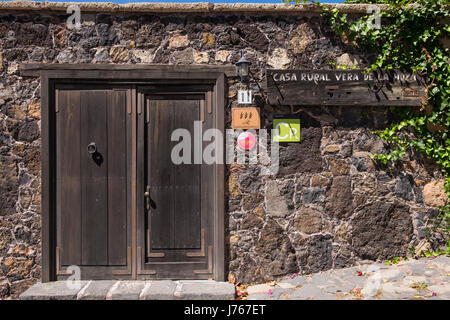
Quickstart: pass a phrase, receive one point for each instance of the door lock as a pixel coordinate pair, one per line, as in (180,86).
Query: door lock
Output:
(147,198)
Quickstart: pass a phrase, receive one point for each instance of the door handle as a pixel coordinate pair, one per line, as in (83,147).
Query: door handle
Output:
(147,198)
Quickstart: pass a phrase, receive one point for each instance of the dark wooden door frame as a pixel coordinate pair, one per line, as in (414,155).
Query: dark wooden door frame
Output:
(131,76)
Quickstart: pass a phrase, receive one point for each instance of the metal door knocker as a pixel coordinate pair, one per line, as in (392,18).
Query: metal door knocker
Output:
(92,148)
(96,156)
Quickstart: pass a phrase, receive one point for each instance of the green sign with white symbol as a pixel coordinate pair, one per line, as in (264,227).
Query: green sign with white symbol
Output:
(288,130)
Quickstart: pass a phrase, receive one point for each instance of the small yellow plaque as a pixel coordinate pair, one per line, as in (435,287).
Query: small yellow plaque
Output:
(245,118)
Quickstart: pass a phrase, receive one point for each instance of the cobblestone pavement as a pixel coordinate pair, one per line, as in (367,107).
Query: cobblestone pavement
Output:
(414,279)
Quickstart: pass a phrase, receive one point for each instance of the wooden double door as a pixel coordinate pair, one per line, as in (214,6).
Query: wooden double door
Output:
(124,208)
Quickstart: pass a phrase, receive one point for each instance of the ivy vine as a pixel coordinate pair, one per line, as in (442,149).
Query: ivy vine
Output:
(411,38)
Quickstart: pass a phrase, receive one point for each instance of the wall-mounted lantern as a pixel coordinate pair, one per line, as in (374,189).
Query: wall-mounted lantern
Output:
(242,67)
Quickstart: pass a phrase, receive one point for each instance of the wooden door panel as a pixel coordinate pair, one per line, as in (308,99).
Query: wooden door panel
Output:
(160,169)
(117,178)
(94,179)
(92,188)
(186,182)
(175,189)
(69,176)
(179,225)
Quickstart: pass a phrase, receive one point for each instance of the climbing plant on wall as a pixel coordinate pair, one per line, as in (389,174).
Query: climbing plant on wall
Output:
(410,38)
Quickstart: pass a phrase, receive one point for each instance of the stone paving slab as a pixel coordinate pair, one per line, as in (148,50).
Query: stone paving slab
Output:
(417,268)
(204,290)
(415,279)
(347,272)
(259,288)
(131,290)
(442,263)
(159,290)
(259,296)
(324,280)
(126,290)
(306,292)
(295,281)
(96,290)
(392,274)
(58,290)
(355,281)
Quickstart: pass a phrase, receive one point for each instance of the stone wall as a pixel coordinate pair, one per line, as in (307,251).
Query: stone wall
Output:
(329,206)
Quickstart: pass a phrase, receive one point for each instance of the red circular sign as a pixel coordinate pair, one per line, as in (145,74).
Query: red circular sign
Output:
(246,140)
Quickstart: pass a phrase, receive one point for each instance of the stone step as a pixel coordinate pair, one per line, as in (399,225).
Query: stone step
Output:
(131,290)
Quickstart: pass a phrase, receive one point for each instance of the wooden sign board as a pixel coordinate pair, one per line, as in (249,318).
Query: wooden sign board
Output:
(344,88)
(245,118)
